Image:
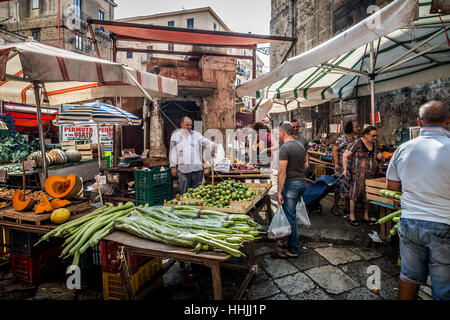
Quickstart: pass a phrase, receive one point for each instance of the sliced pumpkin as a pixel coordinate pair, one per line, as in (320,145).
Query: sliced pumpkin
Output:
(44,205)
(59,203)
(63,187)
(19,202)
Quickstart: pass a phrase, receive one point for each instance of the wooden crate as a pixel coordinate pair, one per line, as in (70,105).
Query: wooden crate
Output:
(37,219)
(378,183)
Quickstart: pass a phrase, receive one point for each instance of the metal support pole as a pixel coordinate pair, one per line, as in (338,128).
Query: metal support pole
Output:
(372,85)
(37,96)
(254,77)
(145,119)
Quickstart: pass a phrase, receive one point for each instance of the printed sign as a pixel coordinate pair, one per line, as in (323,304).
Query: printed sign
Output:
(334,128)
(70,133)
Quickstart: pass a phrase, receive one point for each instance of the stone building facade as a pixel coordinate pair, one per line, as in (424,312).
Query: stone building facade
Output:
(314,22)
(38,20)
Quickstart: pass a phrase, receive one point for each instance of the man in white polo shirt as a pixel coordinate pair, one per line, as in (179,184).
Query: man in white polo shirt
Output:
(185,155)
(420,169)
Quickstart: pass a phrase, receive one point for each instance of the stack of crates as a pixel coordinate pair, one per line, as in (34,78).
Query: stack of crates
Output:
(142,270)
(153,186)
(90,268)
(34,264)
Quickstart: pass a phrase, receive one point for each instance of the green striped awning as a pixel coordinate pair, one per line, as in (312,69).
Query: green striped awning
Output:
(413,54)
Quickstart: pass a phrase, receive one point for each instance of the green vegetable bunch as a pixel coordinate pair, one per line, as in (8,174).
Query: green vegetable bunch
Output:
(14,148)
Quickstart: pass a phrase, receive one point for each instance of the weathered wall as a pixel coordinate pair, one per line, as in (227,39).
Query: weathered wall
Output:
(313,22)
(316,21)
(219,111)
(24,20)
(398,109)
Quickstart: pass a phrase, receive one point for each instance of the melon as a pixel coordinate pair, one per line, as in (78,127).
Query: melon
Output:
(60,216)
(58,156)
(73,155)
(37,157)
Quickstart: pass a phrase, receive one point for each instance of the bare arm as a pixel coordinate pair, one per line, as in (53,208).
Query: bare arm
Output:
(307,160)
(347,155)
(336,157)
(281,179)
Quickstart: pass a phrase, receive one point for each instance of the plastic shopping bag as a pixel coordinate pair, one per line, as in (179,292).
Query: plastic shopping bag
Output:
(279,227)
(302,214)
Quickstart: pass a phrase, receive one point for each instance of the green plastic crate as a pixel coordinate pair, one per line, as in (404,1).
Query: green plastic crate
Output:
(153,187)
(157,176)
(153,196)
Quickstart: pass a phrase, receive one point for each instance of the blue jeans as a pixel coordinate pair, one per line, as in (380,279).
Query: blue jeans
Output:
(189,180)
(425,249)
(292,192)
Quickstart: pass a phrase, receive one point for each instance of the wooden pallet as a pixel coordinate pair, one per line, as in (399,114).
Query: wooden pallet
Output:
(37,219)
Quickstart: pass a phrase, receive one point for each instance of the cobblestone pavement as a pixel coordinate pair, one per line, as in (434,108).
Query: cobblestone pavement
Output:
(335,263)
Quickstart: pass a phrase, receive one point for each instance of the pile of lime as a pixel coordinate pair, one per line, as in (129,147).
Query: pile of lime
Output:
(223,193)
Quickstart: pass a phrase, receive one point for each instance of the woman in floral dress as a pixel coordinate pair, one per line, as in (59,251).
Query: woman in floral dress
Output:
(366,160)
(351,129)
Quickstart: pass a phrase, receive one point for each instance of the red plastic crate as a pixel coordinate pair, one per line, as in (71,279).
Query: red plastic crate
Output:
(37,268)
(110,263)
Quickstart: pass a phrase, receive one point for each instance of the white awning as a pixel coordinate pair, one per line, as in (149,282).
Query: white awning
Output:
(406,52)
(71,77)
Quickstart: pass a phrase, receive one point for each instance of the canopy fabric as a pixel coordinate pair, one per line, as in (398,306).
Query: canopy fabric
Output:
(134,31)
(71,77)
(96,113)
(22,119)
(340,67)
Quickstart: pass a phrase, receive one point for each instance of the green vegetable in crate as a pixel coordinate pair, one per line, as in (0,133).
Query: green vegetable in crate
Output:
(389,217)
(222,194)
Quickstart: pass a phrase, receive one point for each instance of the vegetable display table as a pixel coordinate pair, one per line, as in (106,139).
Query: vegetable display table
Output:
(144,247)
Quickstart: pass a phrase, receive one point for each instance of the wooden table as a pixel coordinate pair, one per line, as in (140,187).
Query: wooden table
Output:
(44,226)
(144,247)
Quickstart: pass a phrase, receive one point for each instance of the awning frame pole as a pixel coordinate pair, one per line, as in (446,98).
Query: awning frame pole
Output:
(413,49)
(37,96)
(372,84)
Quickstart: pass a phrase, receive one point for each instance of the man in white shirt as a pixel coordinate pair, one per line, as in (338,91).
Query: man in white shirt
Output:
(420,169)
(185,155)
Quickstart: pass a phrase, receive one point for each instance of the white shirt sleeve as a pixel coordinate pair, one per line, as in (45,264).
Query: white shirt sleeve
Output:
(173,155)
(205,142)
(392,172)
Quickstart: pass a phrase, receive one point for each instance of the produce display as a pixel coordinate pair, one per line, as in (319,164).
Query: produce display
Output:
(223,193)
(37,157)
(391,194)
(73,155)
(3,204)
(60,216)
(84,232)
(243,167)
(6,193)
(395,217)
(189,227)
(22,204)
(58,156)
(185,226)
(14,148)
(63,187)
(43,206)
(12,169)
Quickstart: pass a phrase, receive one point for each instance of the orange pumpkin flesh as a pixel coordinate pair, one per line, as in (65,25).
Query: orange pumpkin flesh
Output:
(44,205)
(63,187)
(20,204)
(59,203)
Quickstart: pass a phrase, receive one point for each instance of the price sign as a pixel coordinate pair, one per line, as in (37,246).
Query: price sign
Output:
(3,176)
(29,164)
